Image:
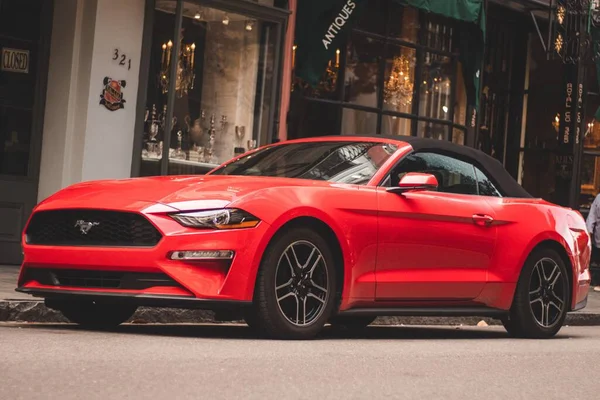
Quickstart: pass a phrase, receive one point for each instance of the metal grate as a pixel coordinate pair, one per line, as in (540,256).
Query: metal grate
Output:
(91,228)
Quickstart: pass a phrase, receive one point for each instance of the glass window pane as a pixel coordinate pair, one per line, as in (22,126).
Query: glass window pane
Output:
(372,17)
(223,89)
(435,88)
(590,180)
(356,122)
(539,173)
(439,33)
(404,22)
(458,136)
(454,176)
(392,125)
(362,69)
(343,162)
(591,139)
(432,130)
(399,79)
(460,99)
(486,187)
(15,136)
(309,118)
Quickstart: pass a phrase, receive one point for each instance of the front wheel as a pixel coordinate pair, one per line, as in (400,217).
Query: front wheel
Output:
(94,315)
(541,298)
(296,286)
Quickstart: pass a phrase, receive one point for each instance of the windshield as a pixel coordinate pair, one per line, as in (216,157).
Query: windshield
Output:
(341,162)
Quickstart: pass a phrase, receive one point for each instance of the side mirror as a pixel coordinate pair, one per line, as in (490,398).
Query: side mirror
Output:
(413,182)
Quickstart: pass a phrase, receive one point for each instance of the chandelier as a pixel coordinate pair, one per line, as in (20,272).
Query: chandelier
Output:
(398,89)
(185,68)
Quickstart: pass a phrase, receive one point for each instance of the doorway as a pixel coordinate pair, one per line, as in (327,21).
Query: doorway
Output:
(25,28)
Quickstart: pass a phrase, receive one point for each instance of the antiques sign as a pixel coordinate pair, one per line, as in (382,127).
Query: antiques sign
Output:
(14,60)
(112,94)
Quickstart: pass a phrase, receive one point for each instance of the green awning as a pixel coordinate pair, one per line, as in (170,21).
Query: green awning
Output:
(320,28)
(322,24)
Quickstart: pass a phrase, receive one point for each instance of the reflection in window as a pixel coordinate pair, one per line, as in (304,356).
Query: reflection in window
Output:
(341,162)
(356,122)
(432,130)
(362,67)
(435,88)
(453,176)
(404,22)
(392,125)
(590,180)
(458,136)
(486,187)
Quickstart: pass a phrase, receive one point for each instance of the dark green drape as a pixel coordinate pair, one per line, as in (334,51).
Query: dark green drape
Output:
(322,24)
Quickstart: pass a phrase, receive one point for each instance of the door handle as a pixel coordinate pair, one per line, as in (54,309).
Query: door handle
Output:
(482,219)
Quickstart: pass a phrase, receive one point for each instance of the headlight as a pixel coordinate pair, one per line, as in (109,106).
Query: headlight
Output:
(217,219)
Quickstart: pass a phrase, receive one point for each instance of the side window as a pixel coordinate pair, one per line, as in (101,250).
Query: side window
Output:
(486,187)
(454,176)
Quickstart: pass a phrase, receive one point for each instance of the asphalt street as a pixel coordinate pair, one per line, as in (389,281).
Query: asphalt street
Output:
(228,362)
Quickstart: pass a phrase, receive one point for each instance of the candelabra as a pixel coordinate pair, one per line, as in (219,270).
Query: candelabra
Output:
(185,75)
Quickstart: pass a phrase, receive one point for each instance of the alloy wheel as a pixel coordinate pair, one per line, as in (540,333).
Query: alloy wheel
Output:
(547,292)
(301,284)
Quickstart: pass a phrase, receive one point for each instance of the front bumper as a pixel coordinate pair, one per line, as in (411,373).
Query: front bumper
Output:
(196,284)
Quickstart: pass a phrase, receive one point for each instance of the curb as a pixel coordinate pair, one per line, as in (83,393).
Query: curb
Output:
(36,311)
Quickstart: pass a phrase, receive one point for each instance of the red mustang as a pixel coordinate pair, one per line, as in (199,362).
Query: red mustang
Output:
(295,235)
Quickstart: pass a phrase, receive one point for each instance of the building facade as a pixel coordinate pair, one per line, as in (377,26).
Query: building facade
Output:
(104,89)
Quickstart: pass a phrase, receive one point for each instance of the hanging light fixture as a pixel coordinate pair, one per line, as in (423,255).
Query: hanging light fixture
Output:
(398,89)
(226,19)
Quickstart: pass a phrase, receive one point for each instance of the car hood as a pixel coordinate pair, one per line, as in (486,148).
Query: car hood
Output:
(177,192)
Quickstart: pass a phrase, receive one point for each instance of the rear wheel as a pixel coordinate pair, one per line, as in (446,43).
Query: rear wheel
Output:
(541,298)
(296,286)
(94,315)
(351,323)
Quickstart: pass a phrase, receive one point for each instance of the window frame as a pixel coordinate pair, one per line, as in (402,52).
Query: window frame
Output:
(386,180)
(274,15)
(421,50)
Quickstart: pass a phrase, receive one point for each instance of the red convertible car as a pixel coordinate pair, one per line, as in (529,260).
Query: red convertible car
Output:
(299,234)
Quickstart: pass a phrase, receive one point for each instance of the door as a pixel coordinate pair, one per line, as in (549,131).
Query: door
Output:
(24,36)
(434,245)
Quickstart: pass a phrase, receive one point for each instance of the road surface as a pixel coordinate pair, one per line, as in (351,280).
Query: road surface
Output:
(228,362)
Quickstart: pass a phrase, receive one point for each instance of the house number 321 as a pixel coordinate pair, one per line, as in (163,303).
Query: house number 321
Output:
(122,59)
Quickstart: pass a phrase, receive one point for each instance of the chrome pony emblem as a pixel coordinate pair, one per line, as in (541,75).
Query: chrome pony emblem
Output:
(85,226)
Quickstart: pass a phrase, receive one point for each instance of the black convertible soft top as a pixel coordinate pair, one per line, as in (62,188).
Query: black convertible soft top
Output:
(508,186)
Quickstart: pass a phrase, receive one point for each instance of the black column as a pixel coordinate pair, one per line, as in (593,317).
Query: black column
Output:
(569,136)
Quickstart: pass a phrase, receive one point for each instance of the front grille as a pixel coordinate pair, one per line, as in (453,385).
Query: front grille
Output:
(91,228)
(98,279)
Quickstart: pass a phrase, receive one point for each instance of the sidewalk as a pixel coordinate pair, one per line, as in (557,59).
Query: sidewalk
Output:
(16,306)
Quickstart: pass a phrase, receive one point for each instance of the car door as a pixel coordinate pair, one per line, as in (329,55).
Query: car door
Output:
(434,244)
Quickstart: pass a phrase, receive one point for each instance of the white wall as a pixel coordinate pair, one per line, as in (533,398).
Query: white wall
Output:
(82,140)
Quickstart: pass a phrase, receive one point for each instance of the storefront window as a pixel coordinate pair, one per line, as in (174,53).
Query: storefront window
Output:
(356,122)
(362,66)
(399,70)
(222,98)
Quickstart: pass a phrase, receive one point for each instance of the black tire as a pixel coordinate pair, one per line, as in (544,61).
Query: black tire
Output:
(529,317)
(269,318)
(97,315)
(351,323)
